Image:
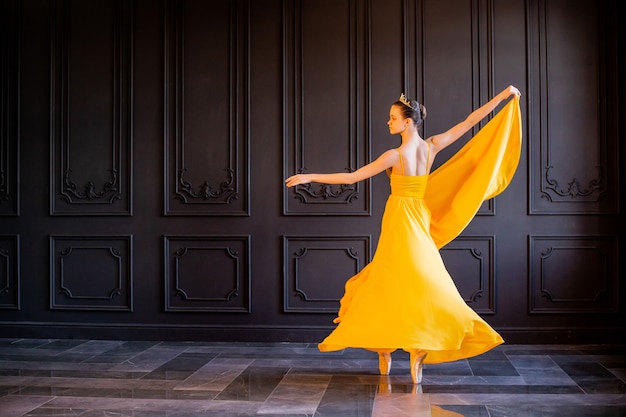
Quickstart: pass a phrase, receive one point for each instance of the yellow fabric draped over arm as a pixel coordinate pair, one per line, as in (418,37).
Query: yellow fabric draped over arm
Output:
(480,170)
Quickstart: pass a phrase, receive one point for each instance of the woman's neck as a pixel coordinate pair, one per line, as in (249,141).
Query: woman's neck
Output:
(410,135)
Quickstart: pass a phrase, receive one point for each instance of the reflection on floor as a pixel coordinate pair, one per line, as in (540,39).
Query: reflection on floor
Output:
(91,378)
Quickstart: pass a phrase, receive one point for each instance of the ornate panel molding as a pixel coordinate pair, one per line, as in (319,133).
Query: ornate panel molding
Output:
(483,88)
(10,47)
(10,272)
(91,273)
(325,110)
(316,269)
(206,108)
(413,49)
(207,273)
(469,61)
(91,122)
(573,274)
(573,144)
(470,261)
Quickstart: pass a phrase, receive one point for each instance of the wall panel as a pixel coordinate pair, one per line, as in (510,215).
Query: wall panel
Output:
(207,274)
(572,125)
(313,266)
(206,108)
(573,274)
(91,273)
(9,108)
(91,108)
(10,277)
(326,78)
(457,74)
(470,260)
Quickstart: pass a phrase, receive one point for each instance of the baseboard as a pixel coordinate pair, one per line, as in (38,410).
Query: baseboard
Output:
(564,335)
(175,332)
(275,333)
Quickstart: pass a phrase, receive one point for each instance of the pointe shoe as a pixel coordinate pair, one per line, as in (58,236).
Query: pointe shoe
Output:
(384,363)
(417,362)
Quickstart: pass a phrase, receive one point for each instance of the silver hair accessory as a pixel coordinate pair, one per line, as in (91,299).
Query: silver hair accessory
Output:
(406,101)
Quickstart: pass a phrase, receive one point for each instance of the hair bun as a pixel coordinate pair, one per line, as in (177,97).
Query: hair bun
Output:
(422,111)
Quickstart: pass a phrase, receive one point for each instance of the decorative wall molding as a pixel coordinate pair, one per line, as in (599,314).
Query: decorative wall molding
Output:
(207,274)
(10,277)
(91,122)
(10,51)
(207,79)
(573,144)
(483,80)
(312,124)
(470,260)
(415,46)
(316,269)
(465,73)
(91,273)
(413,49)
(573,274)
(207,108)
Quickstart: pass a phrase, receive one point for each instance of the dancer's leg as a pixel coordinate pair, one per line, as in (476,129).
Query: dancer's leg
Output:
(417,362)
(384,362)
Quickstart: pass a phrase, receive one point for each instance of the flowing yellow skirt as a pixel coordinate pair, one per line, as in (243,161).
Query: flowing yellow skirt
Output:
(405,298)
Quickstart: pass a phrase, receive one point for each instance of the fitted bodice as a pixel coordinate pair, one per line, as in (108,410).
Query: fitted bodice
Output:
(408,185)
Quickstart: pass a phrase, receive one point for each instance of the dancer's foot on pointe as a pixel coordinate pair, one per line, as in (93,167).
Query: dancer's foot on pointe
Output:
(417,362)
(384,363)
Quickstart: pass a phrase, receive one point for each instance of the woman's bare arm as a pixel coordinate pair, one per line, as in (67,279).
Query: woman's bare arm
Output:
(384,161)
(445,139)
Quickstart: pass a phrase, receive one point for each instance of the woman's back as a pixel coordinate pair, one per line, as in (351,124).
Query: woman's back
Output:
(415,159)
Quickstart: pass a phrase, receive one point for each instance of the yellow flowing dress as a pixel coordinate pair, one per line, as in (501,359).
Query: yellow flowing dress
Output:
(405,298)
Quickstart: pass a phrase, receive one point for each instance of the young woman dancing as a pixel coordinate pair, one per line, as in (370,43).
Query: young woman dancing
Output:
(405,298)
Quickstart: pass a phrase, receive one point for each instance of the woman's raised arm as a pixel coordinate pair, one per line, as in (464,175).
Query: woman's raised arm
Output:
(445,139)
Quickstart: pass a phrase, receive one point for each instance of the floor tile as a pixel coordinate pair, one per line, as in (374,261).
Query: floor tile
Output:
(94,378)
(254,384)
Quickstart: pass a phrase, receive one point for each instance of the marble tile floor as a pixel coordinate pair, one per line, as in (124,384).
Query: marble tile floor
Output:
(96,378)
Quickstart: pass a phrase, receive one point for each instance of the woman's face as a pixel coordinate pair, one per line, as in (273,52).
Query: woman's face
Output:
(396,122)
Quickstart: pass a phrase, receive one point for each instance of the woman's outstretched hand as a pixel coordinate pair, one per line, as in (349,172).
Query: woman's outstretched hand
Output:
(512,91)
(298,179)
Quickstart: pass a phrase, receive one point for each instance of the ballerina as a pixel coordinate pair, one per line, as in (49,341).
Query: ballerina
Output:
(405,298)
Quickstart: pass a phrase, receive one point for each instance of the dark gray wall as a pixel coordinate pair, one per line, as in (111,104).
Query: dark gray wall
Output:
(144,146)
